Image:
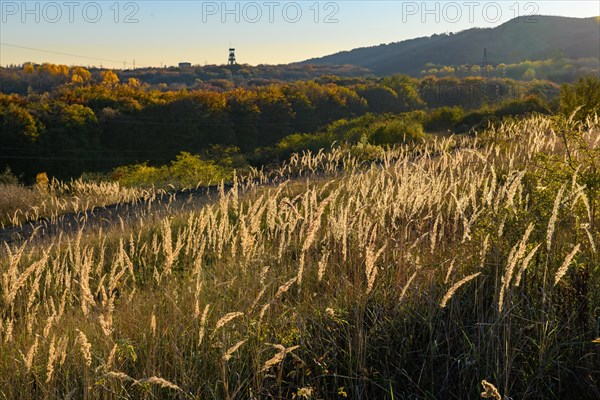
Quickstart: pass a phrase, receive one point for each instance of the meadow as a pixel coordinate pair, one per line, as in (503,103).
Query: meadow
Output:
(436,270)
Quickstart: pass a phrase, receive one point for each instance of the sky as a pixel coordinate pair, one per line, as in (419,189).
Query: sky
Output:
(117,34)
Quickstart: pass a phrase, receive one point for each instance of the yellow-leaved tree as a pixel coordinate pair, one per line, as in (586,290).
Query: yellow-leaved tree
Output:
(109,77)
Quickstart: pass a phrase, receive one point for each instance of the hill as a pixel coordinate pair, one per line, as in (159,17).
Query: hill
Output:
(514,41)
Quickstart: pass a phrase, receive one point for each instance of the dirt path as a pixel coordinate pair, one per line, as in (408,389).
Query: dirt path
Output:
(109,216)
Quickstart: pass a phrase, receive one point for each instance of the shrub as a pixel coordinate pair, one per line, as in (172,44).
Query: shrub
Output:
(186,171)
(473,120)
(42,181)
(8,178)
(397,131)
(581,99)
(520,107)
(303,141)
(443,118)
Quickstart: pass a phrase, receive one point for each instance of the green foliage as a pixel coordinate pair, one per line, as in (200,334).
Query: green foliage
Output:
(303,141)
(582,99)
(17,121)
(365,151)
(186,171)
(582,161)
(380,99)
(521,107)
(480,118)
(397,93)
(369,129)
(558,70)
(76,116)
(228,157)
(92,126)
(398,130)
(443,118)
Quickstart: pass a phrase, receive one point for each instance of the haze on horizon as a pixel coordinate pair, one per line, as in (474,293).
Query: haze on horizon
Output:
(155,33)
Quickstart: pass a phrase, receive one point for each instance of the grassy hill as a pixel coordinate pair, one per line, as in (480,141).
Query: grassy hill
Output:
(417,276)
(517,40)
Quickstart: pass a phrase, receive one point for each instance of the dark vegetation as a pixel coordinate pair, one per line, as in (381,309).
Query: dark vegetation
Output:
(94,121)
(567,41)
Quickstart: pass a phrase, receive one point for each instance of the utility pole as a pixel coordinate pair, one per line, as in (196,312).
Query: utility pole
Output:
(485,64)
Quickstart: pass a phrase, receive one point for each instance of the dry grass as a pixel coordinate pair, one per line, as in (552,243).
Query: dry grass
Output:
(16,198)
(20,204)
(413,277)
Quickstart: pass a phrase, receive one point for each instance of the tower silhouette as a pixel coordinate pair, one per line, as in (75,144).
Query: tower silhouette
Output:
(231,57)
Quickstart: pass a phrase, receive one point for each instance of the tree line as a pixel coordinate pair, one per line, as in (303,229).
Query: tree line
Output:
(94,123)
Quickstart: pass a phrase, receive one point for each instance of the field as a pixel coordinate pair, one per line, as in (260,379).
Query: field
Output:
(414,272)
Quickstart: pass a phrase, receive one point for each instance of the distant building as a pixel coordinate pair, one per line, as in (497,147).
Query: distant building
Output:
(185,65)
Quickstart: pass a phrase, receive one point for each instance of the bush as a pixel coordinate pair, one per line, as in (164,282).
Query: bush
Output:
(307,141)
(443,118)
(367,152)
(186,171)
(8,178)
(581,99)
(368,129)
(473,120)
(520,107)
(397,131)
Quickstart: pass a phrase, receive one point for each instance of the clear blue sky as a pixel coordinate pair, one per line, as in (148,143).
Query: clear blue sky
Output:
(263,32)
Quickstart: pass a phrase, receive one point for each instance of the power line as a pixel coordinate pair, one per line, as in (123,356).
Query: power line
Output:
(62,53)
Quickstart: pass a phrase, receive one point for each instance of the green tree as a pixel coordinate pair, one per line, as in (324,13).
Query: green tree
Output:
(19,134)
(581,99)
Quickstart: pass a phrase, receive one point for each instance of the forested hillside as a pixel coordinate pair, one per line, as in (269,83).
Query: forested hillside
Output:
(38,78)
(522,39)
(95,122)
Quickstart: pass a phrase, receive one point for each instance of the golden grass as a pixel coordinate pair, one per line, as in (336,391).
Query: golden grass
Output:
(20,204)
(350,272)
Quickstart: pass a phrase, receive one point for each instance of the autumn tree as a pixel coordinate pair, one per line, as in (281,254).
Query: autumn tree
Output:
(109,77)
(81,75)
